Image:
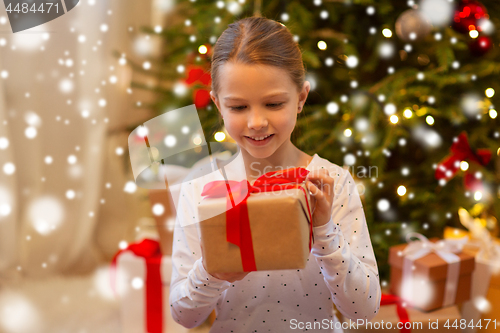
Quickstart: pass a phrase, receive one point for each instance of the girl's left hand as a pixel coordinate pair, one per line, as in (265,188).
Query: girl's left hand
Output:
(320,185)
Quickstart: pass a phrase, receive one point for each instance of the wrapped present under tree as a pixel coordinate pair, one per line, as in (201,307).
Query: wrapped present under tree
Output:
(429,275)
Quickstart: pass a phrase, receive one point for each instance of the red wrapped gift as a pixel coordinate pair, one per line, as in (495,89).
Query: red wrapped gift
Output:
(148,250)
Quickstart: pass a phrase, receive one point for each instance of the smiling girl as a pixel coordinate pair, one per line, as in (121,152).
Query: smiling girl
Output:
(259,87)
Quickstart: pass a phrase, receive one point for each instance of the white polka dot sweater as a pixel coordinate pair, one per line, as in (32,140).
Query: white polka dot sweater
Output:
(341,268)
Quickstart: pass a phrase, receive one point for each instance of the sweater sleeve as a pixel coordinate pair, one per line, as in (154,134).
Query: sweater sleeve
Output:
(193,291)
(344,253)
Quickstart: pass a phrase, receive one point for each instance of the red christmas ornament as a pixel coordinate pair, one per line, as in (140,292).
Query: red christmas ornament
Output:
(472,183)
(480,46)
(467,15)
(201,98)
(461,151)
(198,74)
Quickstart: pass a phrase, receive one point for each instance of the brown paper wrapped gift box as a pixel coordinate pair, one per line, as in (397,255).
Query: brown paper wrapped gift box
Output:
(279,224)
(433,269)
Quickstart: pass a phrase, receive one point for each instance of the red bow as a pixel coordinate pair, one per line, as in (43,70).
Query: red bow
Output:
(237,221)
(198,74)
(388,299)
(201,97)
(461,151)
(150,250)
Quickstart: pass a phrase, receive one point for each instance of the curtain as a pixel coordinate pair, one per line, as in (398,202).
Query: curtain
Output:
(62,92)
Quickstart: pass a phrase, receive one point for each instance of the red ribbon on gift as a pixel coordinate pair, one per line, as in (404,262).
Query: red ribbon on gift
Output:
(388,299)
(150,250)
(461,151)
(237,222)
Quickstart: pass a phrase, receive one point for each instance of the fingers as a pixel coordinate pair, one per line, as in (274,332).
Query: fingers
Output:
(312,196)
(314,190)
(320,184)
(320,175)
(231,277)
(241,276)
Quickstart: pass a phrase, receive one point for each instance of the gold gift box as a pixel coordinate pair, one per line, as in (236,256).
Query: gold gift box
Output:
(493,296)
(493,293)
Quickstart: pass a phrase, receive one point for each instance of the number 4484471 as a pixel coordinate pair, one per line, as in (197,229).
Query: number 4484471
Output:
(463,323)
(25,8)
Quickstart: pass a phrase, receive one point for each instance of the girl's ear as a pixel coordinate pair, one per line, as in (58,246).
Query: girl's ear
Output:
(303,94)
(214,99)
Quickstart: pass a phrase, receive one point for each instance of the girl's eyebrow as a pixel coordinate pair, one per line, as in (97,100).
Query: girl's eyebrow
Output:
(265,97)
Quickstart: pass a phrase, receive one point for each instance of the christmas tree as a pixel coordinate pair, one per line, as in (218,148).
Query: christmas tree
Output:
(402,92)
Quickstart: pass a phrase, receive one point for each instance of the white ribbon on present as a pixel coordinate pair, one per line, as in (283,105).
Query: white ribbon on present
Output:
(489,251)
(445,249)
(491,256)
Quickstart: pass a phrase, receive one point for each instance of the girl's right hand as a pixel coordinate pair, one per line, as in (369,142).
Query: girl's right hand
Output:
(229,277)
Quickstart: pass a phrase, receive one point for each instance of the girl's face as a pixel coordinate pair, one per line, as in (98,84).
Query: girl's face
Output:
(256,101)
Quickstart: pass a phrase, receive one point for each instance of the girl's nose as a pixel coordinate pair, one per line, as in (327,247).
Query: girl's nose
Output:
(257,120)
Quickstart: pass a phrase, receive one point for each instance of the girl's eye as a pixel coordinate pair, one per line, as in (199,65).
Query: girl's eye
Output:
(272,105)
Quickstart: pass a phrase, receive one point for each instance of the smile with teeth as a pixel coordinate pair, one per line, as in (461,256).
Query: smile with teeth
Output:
(259,138)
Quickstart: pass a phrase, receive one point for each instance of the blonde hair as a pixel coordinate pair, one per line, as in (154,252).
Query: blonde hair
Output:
(258,40)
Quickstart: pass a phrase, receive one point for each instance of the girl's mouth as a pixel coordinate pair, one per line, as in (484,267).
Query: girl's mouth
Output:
(260,142)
